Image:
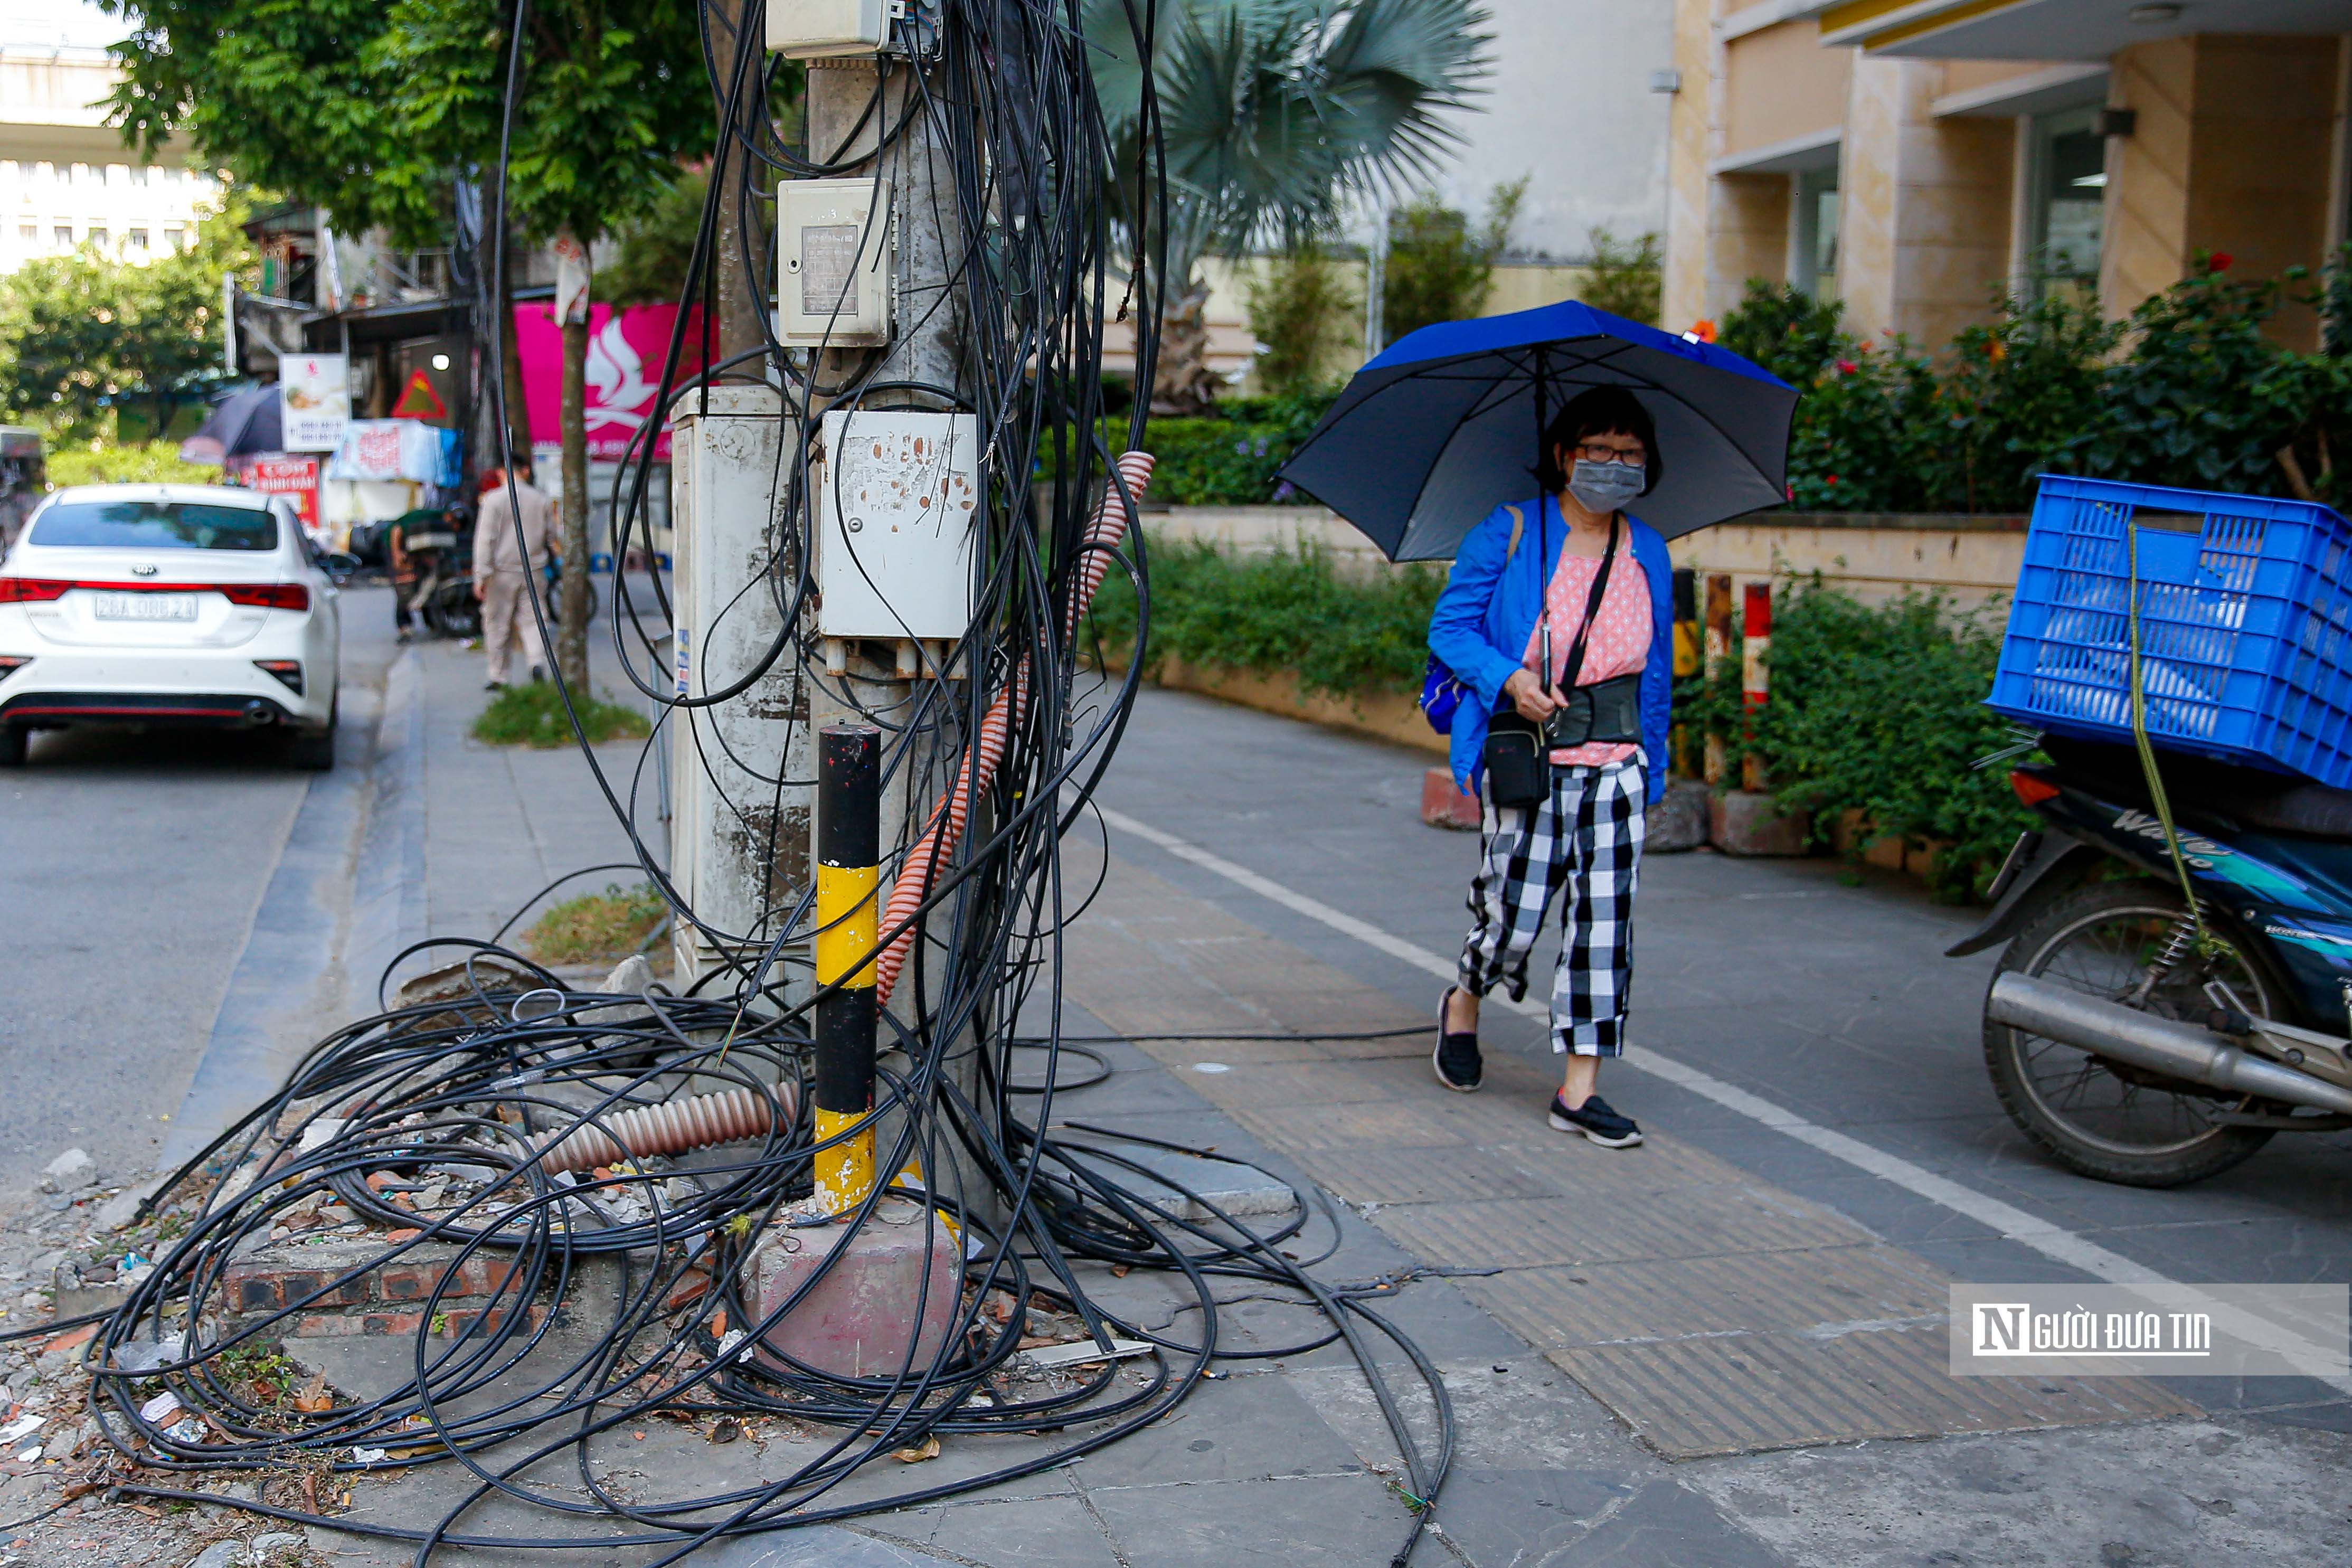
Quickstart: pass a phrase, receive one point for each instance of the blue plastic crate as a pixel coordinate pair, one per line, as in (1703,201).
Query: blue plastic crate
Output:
(2245,624)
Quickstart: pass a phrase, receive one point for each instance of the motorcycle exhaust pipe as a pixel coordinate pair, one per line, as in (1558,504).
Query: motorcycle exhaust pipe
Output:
(2162,1045)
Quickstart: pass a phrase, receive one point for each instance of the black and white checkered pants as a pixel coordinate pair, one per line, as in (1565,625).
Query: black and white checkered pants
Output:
(1585,841)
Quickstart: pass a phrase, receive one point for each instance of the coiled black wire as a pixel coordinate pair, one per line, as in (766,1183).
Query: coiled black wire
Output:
(473,1089)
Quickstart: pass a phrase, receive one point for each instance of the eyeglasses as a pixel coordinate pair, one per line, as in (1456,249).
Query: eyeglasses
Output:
(1595,452)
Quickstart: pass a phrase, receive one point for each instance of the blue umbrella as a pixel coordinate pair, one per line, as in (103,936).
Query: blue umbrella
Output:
(244,423)
(1442,428)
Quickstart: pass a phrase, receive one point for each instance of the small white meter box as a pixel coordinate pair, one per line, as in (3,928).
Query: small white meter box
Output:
(899,509)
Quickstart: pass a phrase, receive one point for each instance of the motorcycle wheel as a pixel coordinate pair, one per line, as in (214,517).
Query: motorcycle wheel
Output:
(453,612)
(2110,1120)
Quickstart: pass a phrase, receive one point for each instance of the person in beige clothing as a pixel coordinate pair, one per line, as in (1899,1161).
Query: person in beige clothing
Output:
(503,572)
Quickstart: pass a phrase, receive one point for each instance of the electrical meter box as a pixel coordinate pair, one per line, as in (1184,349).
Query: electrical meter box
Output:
(897,508)
(822,29)
(834,263)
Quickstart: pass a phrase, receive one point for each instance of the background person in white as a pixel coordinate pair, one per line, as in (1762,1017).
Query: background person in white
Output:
(503,570)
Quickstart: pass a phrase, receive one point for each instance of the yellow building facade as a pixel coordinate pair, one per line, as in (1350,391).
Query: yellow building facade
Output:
(1916,158)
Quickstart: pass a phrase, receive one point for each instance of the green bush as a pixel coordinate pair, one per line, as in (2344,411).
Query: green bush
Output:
(1269,614)
(1879,710)
(531,714)
(143,463)
(1303,310)
(1438,268)
(1227,458)
(1627,277)
(2189,391)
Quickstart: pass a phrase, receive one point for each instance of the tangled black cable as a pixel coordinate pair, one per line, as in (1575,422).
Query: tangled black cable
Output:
(588,1201)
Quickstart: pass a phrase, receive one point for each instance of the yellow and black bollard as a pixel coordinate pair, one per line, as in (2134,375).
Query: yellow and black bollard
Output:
(848,882)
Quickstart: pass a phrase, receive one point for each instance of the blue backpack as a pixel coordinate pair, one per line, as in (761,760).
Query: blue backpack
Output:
(1442,690)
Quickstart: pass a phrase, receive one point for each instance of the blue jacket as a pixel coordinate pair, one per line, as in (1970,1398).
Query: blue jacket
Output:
(1488,611)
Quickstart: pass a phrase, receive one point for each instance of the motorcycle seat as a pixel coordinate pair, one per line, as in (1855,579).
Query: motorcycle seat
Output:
(2251,797)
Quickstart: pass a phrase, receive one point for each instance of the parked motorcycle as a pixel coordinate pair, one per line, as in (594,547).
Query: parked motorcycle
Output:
(444,594)
(2128,1038)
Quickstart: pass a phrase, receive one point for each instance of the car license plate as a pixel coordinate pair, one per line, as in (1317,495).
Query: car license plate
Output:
(145,606)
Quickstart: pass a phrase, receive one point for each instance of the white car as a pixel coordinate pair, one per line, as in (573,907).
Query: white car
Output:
(168,604)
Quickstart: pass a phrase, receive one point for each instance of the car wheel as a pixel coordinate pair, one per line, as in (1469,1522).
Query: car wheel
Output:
(314,750)
(13,741)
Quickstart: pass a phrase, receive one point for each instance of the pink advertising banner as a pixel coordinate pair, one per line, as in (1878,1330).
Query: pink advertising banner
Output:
(625,350)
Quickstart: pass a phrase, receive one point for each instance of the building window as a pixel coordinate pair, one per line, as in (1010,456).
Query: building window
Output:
(97,237)
(136,238)
(2067,201)
(1814,232)
(138,173)
(174,238)
(63,235)
(28,233)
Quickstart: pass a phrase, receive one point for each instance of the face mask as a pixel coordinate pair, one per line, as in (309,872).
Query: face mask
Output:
(1604,487)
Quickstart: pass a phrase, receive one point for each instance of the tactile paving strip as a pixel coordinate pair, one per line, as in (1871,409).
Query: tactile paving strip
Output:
(1739,1393)
(1714,1312)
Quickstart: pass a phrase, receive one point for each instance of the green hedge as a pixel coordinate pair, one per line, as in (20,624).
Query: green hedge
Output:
(1227,458)
(1267,614)
(2190,391)
(1880,710)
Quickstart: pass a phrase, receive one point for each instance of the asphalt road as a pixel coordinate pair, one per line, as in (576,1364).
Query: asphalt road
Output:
(131,865)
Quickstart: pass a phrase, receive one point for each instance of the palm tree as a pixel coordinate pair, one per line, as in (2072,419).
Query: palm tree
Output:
(1271,113)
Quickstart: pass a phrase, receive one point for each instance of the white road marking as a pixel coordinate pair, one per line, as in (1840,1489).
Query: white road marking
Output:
(2052,1240)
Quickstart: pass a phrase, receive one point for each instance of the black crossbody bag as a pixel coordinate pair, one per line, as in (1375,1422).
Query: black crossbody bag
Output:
(1518,751)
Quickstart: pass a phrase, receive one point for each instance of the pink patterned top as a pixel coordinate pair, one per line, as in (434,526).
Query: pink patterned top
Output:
(1620,643)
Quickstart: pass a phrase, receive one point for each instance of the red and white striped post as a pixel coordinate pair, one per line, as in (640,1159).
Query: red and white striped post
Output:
(1755,648)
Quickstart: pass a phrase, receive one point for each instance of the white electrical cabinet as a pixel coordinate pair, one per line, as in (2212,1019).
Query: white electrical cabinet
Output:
(821,29)
(897,507)
(833,248)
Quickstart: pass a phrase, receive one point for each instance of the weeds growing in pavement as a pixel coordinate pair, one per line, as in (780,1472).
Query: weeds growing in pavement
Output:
(600,927)
(533,715)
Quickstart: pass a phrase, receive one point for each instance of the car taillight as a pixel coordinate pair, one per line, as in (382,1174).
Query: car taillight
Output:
(264,596)
(2033,791)
(32,590)
(267,596)
(289,672)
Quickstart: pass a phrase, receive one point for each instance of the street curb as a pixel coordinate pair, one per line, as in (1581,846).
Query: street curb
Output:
(388,909)
(365,820)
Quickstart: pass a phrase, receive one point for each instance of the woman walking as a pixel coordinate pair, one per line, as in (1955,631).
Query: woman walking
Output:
(1559,617)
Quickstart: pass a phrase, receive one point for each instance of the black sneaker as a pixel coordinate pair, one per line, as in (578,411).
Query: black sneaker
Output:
(1597,1121)
(1454,1059)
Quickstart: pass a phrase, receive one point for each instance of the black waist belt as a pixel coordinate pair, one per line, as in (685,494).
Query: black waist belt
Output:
(1605,713)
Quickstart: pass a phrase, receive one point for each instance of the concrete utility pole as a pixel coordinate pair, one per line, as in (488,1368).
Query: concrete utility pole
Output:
(898,680)
(741,769)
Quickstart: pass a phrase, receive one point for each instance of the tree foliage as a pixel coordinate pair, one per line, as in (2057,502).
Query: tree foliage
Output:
(84,333)
(1301,309)
(651,251)
(1273,114)
(1439,268)
(1627,277)
(369,111)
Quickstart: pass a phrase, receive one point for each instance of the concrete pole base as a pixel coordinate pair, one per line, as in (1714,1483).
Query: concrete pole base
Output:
(860,1319)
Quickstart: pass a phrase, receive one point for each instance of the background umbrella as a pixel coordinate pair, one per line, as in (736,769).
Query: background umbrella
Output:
(1441,428)
(244,422)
